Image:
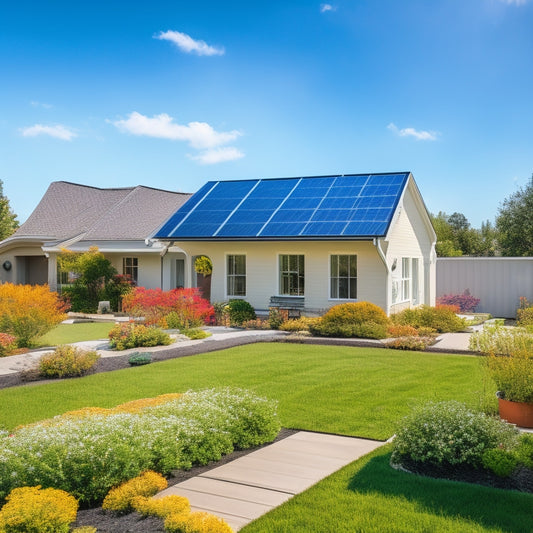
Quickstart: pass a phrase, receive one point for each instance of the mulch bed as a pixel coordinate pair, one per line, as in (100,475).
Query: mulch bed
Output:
(521,479)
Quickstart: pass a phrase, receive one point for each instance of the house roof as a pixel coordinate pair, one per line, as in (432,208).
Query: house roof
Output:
(71,211)
(355,206)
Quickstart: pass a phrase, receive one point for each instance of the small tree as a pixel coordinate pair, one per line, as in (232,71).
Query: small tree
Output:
(8,219)
(95,279)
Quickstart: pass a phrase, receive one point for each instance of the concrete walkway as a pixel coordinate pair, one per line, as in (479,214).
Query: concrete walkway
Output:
(252,485)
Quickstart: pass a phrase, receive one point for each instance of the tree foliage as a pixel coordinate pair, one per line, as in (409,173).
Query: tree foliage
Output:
(8,219)
(515,223)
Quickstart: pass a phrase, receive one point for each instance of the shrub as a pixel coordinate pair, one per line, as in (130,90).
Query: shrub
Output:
(84,529)
(191,310)
(513,374)
(195,334)
(36,510)
(240,311)
(442,319)
(501,462)
(119,499)
(414,343)
(501,340)
(448,433)
(465,302)
(220,312)
(124,336)
(29,311)
(66,362)
(524,452)
(87,452)
(257,323)
(525,316)
(400,330)
(160,507)
(275,318)
(360,319)
(196,522)
(139,358)
(7,344)
(299,324)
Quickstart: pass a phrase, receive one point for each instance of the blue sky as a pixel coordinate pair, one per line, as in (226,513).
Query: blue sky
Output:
(171,94)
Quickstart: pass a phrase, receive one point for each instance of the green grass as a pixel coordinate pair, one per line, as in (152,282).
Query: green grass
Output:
(369,496)
(351,391)
(69,333)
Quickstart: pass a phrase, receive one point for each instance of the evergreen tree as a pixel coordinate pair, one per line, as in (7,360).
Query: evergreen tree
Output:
(8,219)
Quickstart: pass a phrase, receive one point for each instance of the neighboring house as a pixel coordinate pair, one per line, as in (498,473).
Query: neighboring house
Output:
(118,221)
(309,242)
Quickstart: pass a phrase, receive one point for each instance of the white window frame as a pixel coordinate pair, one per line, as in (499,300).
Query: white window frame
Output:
(234,276)
(335,276)
(300,276)
(406,279)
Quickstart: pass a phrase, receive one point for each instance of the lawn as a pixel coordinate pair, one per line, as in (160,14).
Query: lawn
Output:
(69,333)
(351,391)
(345,390)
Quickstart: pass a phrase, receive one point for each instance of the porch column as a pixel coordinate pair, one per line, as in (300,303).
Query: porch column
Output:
(52,271)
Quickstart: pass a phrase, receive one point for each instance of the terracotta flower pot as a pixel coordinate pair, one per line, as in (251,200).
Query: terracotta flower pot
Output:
(517,413)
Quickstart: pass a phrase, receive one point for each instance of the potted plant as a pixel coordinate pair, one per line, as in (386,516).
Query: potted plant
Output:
(513,375)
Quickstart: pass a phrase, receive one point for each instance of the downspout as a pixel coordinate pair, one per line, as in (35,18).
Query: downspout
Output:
(377,244)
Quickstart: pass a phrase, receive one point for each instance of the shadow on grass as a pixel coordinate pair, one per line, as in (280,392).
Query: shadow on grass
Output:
(492,508)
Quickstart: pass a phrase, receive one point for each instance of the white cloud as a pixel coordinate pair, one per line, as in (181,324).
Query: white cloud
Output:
(58,131)
(34,103)
(419,135)
(218,155)
(327,7)
(189,45)
(199,135)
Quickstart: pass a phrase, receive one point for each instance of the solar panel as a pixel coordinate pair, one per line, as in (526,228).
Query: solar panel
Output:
(356,206)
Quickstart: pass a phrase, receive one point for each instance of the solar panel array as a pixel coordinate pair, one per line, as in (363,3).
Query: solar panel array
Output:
(356,206)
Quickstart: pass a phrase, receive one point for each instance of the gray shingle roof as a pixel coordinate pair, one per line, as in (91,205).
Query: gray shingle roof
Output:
(69,210)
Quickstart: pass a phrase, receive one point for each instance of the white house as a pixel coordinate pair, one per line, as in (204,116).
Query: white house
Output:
(76,217)
(309,242)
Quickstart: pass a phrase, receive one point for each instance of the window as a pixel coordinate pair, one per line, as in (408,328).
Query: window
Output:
(414,267)
(291,275)
(406,278)
(343,277)
(236,275)
(130,267)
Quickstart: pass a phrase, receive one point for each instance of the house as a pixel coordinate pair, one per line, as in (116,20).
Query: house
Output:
(76,217)
(309,243)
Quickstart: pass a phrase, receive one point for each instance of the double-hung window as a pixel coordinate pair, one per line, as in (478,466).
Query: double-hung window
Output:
(291,275)
(130,267)
(343,277)
(236,275)
(406,278)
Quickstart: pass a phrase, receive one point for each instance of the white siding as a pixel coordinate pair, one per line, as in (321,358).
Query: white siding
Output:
(497,281)
(262,269)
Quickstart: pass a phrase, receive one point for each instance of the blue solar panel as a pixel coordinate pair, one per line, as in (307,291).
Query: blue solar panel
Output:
(357,206)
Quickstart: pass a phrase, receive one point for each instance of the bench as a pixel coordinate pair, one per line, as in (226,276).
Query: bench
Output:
(293,304)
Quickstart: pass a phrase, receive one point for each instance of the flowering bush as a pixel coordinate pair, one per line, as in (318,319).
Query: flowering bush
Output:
(448,433)
(124,336)
(87,454)
(29,311)
(442,318)
(161,507)
(196,522)
(67,361)
(500,340)
(360,319)
(36,510)
(119,499)
(7,344)
(299,324)
(191,310)
(399,330)
(525,316)
(465,302)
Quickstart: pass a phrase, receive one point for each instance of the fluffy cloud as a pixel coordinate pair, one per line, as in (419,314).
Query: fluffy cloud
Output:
(189,45)
(419,135)
(58,131)
(199,135)
(217,155)
(327,7)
